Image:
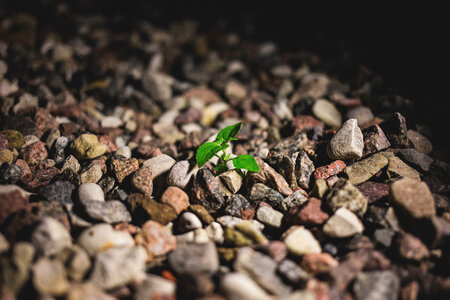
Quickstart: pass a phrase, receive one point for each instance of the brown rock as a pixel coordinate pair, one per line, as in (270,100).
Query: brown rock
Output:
(157,239)
(411,248)
(142,180)
(207,191)
(25,169)
(3,142)
(268,176)
(374,191)
(308,214)
(201,213)
(41,176)
(189,116)
(11,202)
(35,153)
(305,123)
(374,140)
(175,197)
(123,167)
(44,121)
(317,263)
(144,208)
(108,141)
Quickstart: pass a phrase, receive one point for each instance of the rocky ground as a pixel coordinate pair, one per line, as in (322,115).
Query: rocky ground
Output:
(101,198)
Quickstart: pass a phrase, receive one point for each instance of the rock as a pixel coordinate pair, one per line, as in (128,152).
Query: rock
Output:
(59,191)
(144,208)
(15,138)
(71,163)
(6,156)
(87,291)
(374,191)
(345,194)
(343,224)
(160,164)
(439,232)
(123,167)
(212,111)
(202,213)
(92,174)
(308,214)
(304,168)
(416,158)
(398,169)
(191,115)
(237,286)
(11,201)
(396,131)
(124,151)
(112,211)
(90,192)
(42,176)
(268,176)
(111,122)
(327,112)
(191,259)
(411,248)
(207,191)
(243,233)
(297,198)
(260,192)
(181,173)
(347,143)
(413,198)
(377,285)
(365,169)
(4,244)
(420,142)
(118,266)
(300,241)
(87,146)
(362,114)
(142,180)
(318,263)
(269,216)
(158,86)
(238,206)
(262,269)
(49,277)
(34,153)
(215,232)
(292,273)
(188,222)
(198,236)
(50,237)
(176,198)
(76,261)
(157,239)
(330,170)
(383,237)
(101,237)
(285,167)
(232,180)
(154,287)
(319,189)
(10,173)
(60,149)
(14,271)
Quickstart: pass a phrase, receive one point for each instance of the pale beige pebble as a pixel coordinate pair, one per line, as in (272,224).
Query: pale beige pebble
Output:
(343,224)
(420,142)
(327,112)
(300,241)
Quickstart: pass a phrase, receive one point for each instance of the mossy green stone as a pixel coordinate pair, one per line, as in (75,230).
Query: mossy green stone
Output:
(15,138)
(6,156)
(87,146)
(244,234)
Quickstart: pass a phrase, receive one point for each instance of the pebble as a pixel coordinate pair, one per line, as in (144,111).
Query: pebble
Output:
(112,211)
(50,237)
(41,176)
(383,237)
(327,112)
(292,273)
(330,170)
(92,174)
(268,176)
(374,191)
(262,269)
(3,142)
(87,290)
(59,191)
(100,237)
(71,163)
(29,140)
(15,271)
(345,194)
(124,151)
(76,261)
(124,167)
(238,206)
(53,135)
(347,143)
(237,286)
(142,180)
(232,180)
(157,85)
(244,233)
(320,187)
(191,115)
(15,138)
(118,266)
(365,169)
(111,122)
(318,263)
(181,174)
(362,114)
(397,168)
(160,164)
(188,222)
(396,131)
(212,111)
(269,216)
(207,191)
(155,287)
(144,208)
(377,285)
(308,214)
(49,277)
(215,233)
(410,247)
(6,156)
(413,197)
(87,146)
(343,224)
(156,238)
(191,259)
(285,167)
(304,168)
(90,192)
(202,213)
(260,192)
(4,244)
(297,198)
(177,198)
(300,241)
(416,158)
(420,142)
(60,149)
(35,153)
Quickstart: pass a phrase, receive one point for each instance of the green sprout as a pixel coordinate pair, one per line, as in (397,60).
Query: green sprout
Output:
(208,150)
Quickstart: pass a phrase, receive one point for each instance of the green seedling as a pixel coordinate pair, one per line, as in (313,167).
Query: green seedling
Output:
(208,150)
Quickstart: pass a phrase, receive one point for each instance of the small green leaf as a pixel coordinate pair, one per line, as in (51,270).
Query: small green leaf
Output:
(247,162)
(206,151)
(229,132)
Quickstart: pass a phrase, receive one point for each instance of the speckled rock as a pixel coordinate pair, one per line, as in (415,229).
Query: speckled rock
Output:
(59,191)
(347,143)
(207,191)
(71,163)
(50,237)
(260,192)
(268,176)
(181,173)
(6,156)
(345,194)
(420,142)
(330,170)
(343,224)
(92,173)
(87,146)
(363,170)
(238,206)
(142,180)
(300,241)
(123,167)
(15,138)
(176,197)
(399,169)
(297,198)
(285,167)
(304,168)
(396,131)
(35,153)
(327,112)
(374,140)
(112,211)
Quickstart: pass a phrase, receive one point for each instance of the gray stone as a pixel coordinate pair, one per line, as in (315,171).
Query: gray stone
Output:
(345,194)
(188,222)
(112,211)
(124,151)
(377,285)
(420,142)
(417,158)
(90,192)
(50,237)
(157,85)
(92,174)
(313,85)
(383,237)
(362,114)
(347,143)
(262,269)
(399,169)
(297,198)
(118,266)
(194,258)
(285,167)
(238,286)
(59,191)
(261,192)
(229,221)
(154,287)
(76,260)
(269,216)
(343,224)
(49,277)
(327,112)
(300,241)
(71,163)
(291,271)
(181,173)
(87,291)
(363,170)
(304,168)
(160,164)
(232,180)
(207,191)
(237,205)
(111,122)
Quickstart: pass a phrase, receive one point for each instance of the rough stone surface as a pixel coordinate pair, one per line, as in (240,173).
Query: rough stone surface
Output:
(347,143)
(34,153)
(87,146)
(396,130)
(144,208)
(232,180)
(207,191)
(268,176)
(377,285)
(297,198)
(157,239)
(123,167)
(50,237)
(285,167)
(112,211)
(417,158)
(374,191)
(194,258)
(160,164)
(176,198)
(304,168)
(343,224)
(365,169)
(260,192)
(308,214)
(413,197)
(332,169)
(269,216)
(59,191)
(181,174)
(142,180)
(327,112)
(345,194)
(300,241)
(420,142)
(15,138)
(239,206)
(399,169)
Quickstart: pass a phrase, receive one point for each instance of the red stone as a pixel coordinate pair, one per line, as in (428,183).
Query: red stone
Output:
(3,142)
(411,248)
(35,153)
(11,202)
(25,168)
(156,238)
(142,180)
(374,191)
(44,121)
(41,176)
(176,197)
(268,176)
(106,140)
(316,263)
(305,123)
(308,214)
(329,170)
